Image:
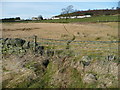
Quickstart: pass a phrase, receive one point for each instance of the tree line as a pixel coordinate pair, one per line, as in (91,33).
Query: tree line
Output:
(11,19)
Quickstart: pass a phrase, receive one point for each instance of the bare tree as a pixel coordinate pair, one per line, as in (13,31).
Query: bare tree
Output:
(66,11)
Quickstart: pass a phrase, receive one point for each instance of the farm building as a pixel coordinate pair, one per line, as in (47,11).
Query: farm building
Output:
(55,17)
(37,18)
(72,17)
(34,18)
(84,16)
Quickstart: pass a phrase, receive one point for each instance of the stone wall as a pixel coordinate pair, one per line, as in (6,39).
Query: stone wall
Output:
(17,46)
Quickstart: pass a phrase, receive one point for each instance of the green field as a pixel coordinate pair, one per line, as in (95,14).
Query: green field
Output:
(90,19)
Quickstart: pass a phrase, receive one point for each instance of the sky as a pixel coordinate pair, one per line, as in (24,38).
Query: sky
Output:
(27,10)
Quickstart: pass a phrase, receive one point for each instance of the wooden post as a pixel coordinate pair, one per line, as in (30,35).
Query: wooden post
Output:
(35,42)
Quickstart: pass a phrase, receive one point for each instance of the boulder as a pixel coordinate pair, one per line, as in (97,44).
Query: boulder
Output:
(19,42)
(17,49)
(110,57)
(40,50)
(14,42)
(45,63)
(2,40)
(89,78)
(31,45)
(26,45)
(86,60)
(8,41)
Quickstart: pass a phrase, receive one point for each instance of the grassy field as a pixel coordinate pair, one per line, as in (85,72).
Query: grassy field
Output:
(110,18)
(82,31)
(90,19)
(64,69)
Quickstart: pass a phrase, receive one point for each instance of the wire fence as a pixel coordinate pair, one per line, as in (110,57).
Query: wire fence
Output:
(100,48)
(38,38)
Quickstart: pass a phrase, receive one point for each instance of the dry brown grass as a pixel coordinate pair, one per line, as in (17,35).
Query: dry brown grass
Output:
(85,31)
(60,74)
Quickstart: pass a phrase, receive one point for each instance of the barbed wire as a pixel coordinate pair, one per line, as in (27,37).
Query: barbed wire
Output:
(45,41)
(84,49)
(81,46)
(38,38)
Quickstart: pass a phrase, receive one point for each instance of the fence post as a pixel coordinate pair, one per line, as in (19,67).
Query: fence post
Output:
(35,42)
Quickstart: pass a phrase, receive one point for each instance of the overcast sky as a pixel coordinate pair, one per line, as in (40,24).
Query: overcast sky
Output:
(30,9)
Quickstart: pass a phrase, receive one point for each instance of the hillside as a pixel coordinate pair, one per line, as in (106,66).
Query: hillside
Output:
(93,12)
